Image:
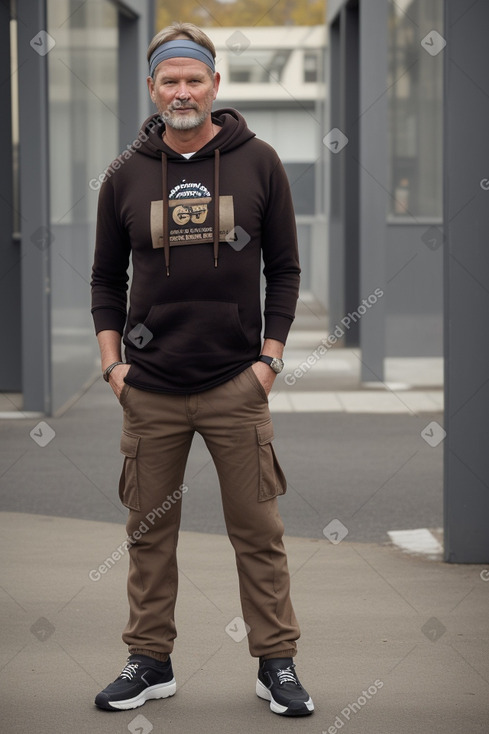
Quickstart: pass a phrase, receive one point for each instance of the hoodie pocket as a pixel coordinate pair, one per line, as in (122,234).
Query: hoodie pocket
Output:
(191,340)
(272,479)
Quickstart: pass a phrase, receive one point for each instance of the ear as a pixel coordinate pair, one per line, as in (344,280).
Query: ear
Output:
(151,88)
(217,80)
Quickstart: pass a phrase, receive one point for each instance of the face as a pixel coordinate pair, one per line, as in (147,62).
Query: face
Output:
(183,91)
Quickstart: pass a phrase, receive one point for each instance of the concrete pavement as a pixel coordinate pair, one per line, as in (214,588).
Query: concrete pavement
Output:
(391,643)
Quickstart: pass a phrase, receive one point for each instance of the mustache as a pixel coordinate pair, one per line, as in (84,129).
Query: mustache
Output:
(179,105)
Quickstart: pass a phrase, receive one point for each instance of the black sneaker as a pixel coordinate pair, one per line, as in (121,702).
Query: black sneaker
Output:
(278,683)
(141,679)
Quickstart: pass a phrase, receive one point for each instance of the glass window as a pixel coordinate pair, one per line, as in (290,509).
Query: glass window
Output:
(302,180)
(312,66)
(415,109)
(258,66)
(84,139)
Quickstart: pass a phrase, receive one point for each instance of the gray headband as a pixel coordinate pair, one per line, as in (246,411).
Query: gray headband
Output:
(177,49)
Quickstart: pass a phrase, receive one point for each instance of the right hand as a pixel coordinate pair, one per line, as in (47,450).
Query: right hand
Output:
(116,378)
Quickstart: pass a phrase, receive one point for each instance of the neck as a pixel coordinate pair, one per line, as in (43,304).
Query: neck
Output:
(188,141)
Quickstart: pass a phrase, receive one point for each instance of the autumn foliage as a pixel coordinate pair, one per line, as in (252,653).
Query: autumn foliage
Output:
(224,13)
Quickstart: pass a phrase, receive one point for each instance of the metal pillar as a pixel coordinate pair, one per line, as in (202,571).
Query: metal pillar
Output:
(33,44)
(466,215)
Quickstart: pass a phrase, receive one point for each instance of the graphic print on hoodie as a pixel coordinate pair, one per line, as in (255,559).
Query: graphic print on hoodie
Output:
(196,230)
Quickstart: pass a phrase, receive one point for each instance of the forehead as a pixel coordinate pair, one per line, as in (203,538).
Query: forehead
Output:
(182,67)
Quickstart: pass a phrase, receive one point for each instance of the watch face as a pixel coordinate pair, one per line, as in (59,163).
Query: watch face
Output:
(277,365)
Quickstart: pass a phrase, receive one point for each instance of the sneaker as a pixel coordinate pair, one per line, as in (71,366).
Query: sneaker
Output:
(141,679)
(278,683)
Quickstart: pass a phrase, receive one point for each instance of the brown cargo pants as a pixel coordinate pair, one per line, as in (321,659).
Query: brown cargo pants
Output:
(234,421)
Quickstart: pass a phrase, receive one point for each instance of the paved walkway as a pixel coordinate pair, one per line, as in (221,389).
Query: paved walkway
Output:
(391,643)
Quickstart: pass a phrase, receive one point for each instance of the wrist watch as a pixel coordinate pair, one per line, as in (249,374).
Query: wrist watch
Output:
(275,363)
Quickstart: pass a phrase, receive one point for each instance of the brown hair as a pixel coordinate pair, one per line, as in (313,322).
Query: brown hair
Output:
(181,30)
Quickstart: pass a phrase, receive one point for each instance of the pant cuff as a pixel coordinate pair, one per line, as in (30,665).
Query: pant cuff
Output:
(290,653)
(161,656)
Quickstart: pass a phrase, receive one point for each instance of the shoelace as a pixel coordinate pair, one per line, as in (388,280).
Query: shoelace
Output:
(129,671)
(287,676)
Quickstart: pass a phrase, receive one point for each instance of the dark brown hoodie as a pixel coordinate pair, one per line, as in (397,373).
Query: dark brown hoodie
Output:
(194,318)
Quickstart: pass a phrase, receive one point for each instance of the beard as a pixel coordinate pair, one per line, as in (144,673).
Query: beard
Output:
(190,120)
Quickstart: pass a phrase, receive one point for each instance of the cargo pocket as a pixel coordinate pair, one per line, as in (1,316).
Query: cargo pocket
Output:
(128,483)
(272,480)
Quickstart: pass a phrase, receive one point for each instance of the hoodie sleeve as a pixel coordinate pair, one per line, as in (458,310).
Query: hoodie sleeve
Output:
(280,257)
(109,273)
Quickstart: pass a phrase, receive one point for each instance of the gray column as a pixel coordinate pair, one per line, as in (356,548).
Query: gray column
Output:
(10,364)
(343,162)
(373,181)
(136,28)
(466,215)
(34,204)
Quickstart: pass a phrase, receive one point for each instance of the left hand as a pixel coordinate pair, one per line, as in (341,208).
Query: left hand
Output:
(265,375)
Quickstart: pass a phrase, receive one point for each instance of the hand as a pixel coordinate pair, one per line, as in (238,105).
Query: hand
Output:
(265,375)
(116,378)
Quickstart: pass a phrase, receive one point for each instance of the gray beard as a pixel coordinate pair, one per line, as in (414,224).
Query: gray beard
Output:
(185,123)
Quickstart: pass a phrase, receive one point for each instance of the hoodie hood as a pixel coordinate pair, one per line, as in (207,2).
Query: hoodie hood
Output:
(234,132)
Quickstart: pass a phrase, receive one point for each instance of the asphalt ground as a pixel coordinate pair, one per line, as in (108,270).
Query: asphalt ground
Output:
(373,472)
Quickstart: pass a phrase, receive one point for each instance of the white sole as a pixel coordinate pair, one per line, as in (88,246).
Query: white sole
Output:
(162,690)
(263,692)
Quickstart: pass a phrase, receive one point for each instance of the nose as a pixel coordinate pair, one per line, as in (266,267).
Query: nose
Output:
(182,91)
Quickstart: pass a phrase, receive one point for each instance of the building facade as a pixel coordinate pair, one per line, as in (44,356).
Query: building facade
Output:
(409,215)
(276,76)
(63,120)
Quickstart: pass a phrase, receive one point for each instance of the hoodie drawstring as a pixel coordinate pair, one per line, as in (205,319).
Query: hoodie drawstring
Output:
(217,155)
(165,203)
(166,207)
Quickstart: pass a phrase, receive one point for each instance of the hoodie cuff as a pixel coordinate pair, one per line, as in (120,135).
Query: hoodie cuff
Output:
(277,327)
(108,319)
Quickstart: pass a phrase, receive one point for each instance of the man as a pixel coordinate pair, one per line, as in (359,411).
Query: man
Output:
(196,205)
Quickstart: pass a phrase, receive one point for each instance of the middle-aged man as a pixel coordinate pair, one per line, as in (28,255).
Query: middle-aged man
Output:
(197,205)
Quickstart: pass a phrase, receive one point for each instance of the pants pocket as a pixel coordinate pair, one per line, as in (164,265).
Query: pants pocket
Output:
(272,479)
(128,483)
(124,391)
